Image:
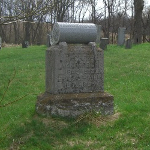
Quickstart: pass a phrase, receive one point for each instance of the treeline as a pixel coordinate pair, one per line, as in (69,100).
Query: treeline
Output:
(15,32)
(31,20)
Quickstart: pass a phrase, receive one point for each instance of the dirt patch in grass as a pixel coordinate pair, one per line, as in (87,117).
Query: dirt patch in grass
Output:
(77,142)
(104,120)
(50,121)
(90,118)
(16,143)
(98,120)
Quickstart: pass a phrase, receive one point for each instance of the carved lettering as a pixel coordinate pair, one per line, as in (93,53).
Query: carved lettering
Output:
(78,71)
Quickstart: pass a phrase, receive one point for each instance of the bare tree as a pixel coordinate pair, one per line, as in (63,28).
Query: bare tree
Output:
(108,13)
(138,8)
(33,14)
(1,14)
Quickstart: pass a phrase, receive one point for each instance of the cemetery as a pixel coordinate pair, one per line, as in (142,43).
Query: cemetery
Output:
(124,78)
(74,75)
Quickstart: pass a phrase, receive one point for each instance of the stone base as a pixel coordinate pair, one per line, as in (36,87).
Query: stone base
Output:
(73,105)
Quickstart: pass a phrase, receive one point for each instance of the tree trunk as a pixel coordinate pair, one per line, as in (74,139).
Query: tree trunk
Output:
(16,30)
(27,31)
(138,8)
(0,18)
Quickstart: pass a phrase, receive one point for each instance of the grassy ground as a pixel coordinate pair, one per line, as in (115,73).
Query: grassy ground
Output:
(127,77)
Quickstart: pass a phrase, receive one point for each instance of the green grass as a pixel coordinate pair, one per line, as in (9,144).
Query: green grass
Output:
(127,78)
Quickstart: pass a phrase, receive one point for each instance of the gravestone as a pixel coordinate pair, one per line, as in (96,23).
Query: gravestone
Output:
(121,36)
(128,44)
(104,43)
(25,44)
(98,34)
(48,40)
(38,43)
(74,76)
(0,43)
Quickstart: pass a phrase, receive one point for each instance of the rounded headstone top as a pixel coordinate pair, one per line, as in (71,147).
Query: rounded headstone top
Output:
(73,33)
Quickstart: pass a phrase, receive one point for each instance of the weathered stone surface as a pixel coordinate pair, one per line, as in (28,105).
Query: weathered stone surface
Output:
(73,105)
(121,36)
(73,33)
(104,43)
(74,69)
(128,44)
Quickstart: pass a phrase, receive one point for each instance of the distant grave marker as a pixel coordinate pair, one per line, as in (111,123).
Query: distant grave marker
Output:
(128,44)
(104,43)
(48,40)
(25,44)
(74,73)
(38,43)
(121,36)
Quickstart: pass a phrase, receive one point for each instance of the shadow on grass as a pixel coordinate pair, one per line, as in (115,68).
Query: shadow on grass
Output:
(94,131)
(42,133)
(53,132)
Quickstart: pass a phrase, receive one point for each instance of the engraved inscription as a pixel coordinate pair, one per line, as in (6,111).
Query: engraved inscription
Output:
(82,72)
(74,69)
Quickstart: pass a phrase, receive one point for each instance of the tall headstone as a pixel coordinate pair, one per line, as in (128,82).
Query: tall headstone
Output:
(121,36)
(0,43)
(104,43)
(74,79)
(128,44)
(98,34)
